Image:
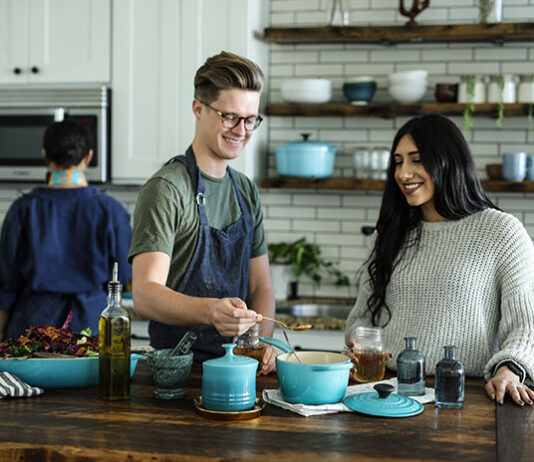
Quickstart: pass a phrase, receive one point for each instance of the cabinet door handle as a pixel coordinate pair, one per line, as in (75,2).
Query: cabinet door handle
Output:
(17,70)
(35,70)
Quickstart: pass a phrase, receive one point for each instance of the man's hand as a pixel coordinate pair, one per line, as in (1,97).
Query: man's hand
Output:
(231,317)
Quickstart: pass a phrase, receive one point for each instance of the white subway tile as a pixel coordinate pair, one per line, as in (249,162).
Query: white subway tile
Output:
(328,198)
(291,212)
(294,57)
(341,213)
(316,225)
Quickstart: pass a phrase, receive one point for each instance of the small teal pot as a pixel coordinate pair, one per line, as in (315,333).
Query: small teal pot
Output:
(229,382)
(322,378)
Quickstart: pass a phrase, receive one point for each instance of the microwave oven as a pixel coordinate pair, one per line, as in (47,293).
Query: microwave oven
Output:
(25,113)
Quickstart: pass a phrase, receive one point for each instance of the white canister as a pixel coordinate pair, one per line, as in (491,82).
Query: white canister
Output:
(490,11)
(502,85)
(525,91)
(479,90)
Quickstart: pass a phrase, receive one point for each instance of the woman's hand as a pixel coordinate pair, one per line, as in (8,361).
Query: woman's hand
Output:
(505,381)
(351,345)
(268,363)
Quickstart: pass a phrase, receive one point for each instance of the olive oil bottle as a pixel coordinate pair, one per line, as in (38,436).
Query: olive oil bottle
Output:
(114,345)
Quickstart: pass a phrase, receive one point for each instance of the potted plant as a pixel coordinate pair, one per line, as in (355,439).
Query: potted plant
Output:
(290,260)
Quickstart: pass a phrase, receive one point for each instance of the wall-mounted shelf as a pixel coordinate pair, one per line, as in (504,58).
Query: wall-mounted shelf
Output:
(345,184)
(498,33)
(390,110)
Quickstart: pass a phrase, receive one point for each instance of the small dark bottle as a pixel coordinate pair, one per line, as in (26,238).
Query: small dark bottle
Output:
(450,381)
(114,345)
(411,370)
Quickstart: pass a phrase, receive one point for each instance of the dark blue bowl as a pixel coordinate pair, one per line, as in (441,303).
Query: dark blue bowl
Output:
(359,92)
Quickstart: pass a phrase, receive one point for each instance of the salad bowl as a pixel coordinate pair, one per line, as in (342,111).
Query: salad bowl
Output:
(59,372)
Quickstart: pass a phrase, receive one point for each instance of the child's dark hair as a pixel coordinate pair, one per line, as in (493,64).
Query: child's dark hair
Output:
(66,143)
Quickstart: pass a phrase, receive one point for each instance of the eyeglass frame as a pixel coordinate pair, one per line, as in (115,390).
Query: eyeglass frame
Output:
(223,115)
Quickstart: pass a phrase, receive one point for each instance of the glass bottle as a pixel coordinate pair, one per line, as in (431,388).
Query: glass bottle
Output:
(368,350)
(450,381)
(411,370)
(248,344)
(114,345)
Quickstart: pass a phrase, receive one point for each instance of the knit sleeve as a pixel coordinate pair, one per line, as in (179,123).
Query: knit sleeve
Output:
(516,281)
(359,316)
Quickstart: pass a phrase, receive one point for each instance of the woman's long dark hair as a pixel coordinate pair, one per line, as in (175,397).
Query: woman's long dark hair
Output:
(457,193)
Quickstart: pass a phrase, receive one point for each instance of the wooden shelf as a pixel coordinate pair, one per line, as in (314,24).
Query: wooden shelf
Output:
(377,185)
(390,110)
(387,35)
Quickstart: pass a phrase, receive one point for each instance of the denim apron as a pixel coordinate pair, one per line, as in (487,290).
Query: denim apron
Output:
(218,269)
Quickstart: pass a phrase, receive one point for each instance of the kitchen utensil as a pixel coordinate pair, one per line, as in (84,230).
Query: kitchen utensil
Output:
(170,371)
(360,91)
(184,345)
(306,90)
(291,347)
(283,324)
(446,92)
(308,159)
(249,414)
(229,382)
(383,403)
(59,372)
(321,378)
(514,166)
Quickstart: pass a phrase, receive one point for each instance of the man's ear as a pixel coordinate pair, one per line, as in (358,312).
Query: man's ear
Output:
(88,157)
(197,108)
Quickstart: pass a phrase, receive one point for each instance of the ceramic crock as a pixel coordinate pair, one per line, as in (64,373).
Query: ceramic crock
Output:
(305,159)
(321,378)
(229,382)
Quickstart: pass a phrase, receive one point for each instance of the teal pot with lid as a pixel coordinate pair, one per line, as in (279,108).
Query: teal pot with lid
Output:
(229,382)
(321,378)
(305,159)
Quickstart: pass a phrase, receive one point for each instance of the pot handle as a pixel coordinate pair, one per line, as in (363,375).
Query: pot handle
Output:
(277,343)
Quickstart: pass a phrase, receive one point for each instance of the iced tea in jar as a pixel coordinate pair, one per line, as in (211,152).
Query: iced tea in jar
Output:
(368,350)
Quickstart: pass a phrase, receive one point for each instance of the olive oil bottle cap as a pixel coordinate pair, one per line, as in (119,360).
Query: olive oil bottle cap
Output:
(115,286)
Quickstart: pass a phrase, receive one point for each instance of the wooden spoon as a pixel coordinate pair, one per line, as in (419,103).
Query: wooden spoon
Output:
(295,329)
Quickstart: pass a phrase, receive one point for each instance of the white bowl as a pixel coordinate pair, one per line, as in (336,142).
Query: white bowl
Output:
(406,94)
(417,76)
(306,90)
(360,79)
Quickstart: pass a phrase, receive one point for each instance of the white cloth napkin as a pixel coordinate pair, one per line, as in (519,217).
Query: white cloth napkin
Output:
(11,385)
(275,397)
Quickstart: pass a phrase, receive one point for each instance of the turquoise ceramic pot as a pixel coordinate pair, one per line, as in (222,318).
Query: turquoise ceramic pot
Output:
(229,382)
(322,378)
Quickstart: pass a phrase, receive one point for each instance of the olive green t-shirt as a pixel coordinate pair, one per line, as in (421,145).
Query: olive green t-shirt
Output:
(166,216)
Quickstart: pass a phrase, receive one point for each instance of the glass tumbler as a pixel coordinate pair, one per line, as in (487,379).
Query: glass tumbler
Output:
(368,350)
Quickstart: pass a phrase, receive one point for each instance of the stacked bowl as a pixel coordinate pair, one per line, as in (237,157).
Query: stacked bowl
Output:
(408,87)
(306,90)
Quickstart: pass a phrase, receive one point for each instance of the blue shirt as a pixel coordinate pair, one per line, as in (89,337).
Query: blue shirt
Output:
(57,250)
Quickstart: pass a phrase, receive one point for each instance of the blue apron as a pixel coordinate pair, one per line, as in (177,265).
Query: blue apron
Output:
(218,269)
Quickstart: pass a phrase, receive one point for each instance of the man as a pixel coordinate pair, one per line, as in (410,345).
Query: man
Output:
(199,257)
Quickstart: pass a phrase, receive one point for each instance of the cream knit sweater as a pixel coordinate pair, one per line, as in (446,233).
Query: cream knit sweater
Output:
(469,283)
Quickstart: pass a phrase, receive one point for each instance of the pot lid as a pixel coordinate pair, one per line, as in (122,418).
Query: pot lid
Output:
(383,403)
(306,144)
(230,359)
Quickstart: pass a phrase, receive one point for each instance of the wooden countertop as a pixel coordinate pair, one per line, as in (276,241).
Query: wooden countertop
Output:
(75,425)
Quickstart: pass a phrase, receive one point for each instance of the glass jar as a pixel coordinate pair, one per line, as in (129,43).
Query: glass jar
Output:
(411,370)
(472,89)
(362,161)
(368,350)
(502,88)
(525,91)
(490,11)
(248,344)
(449,381)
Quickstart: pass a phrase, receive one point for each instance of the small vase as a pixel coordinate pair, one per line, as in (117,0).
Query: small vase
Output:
(411,370)
(490,11)
(450,381)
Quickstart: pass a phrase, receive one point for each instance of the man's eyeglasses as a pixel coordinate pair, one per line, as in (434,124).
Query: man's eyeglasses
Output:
(232,120)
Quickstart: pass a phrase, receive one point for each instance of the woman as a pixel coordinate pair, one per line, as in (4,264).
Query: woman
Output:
(59,242)
(449,267)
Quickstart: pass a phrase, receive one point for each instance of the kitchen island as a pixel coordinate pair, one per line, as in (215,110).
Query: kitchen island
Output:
(75,425)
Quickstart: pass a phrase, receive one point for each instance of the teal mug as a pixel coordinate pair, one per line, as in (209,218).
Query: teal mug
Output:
(514,166)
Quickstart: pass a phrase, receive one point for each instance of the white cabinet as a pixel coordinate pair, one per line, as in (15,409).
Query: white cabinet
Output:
(54,41)
(157,46)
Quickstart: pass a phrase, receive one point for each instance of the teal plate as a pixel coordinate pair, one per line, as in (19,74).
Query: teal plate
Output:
(58,372)
(392,406)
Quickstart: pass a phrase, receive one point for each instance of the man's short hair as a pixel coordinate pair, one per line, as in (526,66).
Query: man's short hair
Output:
(226,71)
(66,143)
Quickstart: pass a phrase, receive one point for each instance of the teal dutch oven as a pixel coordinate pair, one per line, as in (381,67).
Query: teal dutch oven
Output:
(322,378)
(229,382)
(308,159)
